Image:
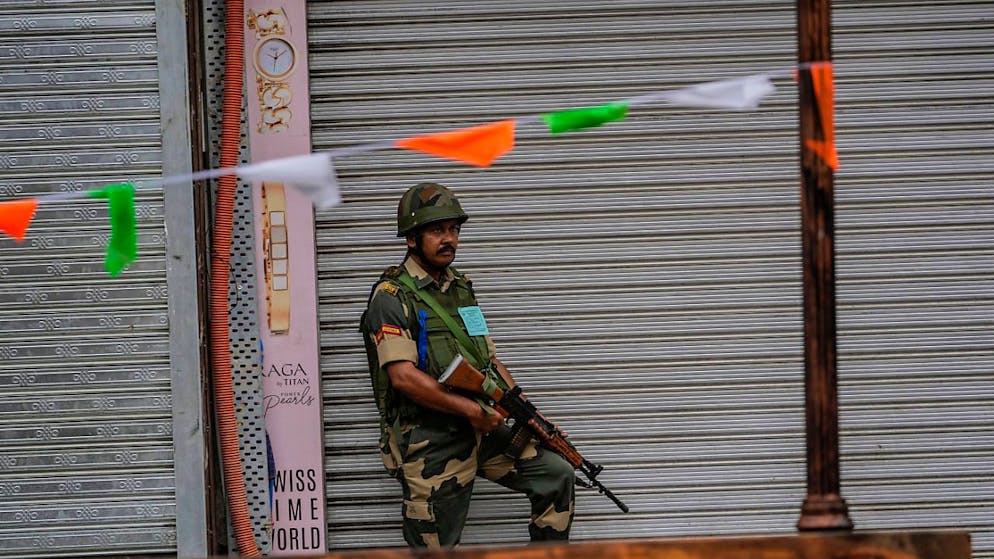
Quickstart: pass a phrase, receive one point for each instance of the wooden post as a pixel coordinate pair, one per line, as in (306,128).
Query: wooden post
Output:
(823,508)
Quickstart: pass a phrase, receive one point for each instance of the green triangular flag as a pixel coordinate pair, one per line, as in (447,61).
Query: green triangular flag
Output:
(123,247)
(587,117)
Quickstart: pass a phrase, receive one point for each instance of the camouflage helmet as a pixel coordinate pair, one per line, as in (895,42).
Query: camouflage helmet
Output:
(425,203)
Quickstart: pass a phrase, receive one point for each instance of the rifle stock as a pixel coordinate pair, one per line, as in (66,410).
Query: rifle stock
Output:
(463,376)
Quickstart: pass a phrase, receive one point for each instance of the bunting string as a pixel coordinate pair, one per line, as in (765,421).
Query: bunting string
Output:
(314,175)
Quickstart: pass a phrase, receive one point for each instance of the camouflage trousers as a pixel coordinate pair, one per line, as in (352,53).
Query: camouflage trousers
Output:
(437,464)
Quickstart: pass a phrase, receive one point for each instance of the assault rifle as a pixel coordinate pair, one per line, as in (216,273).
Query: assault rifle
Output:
(521,413)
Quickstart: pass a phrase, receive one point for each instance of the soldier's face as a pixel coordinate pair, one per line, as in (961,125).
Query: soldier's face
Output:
(437,243)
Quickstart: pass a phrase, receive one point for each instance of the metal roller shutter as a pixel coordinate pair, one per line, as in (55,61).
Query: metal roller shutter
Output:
(86,449)
(642,280)
(915,268)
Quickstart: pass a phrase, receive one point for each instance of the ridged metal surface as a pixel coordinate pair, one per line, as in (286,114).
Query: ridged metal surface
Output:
(86,454)
(915,225)
(642,280)
(246,371)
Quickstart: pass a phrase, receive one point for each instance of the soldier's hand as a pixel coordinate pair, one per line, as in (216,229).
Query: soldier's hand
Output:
(487,420)
(561,432)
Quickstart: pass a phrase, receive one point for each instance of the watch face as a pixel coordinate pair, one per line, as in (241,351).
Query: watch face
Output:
(275,58)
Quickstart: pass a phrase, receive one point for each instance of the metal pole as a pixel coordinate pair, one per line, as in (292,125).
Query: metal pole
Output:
(823,508)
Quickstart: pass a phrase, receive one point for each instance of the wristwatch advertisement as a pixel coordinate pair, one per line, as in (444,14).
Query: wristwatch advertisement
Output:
(277,257)
(279,126)
(274,59)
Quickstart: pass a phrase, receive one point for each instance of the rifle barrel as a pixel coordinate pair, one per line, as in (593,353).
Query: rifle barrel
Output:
(607,492)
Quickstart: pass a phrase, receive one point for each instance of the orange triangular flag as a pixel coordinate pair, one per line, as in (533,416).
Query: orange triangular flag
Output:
(825,150)
(16,215)
(479,145)
(821,79)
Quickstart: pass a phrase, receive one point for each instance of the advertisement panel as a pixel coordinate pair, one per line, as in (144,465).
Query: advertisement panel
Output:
(279,126)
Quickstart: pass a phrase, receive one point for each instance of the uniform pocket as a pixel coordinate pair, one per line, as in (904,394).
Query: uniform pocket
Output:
(442,348)
(418,510)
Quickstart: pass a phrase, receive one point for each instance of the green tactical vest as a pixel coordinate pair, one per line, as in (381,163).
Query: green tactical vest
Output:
(442,344)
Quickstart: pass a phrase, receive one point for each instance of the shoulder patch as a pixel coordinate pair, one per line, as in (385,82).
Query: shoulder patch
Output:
(388,330)
(389,287)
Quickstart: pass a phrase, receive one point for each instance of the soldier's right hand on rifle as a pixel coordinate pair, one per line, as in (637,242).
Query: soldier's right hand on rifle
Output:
(486,420)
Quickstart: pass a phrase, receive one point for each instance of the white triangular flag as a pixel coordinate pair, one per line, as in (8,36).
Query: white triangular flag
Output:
(737,94)
(312,174)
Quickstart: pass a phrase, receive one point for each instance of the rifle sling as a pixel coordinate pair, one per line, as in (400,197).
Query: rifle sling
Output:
(469,350)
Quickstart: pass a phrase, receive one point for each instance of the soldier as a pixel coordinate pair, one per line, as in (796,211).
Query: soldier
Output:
(435,442)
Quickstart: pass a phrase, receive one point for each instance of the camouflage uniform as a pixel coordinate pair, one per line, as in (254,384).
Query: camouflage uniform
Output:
(436,456)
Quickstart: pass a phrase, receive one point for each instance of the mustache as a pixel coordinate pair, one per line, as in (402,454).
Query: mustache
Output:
(444,248)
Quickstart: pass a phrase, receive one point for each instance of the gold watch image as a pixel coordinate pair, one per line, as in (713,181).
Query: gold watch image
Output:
(276,250)
(274,59)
